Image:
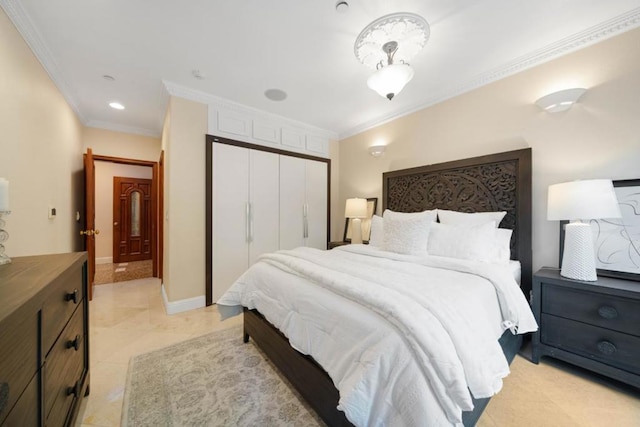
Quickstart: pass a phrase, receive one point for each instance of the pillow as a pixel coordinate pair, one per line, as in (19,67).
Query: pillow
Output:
(407,233)
(463,218)
(483,242)
(376,237)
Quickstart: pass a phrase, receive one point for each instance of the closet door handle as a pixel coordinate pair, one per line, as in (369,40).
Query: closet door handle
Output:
(247,212)
(306,220)
(250,222)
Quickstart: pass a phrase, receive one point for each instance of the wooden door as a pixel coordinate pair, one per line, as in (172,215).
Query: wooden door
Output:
(132,219)
(316,201)
(90,219)
(231,226)
(160,216)
(292,202)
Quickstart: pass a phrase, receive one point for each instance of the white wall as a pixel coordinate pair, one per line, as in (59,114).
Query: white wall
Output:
(40,153)
(597,138)
(105,171)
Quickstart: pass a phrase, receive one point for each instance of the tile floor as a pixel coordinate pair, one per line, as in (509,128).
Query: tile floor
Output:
(112,273)
(128,318)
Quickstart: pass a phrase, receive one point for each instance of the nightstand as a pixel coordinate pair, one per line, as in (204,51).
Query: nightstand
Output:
(336,244)
(594,325)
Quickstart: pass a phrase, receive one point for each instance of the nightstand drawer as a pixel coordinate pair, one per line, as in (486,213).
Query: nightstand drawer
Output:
(604,345)
(594,308)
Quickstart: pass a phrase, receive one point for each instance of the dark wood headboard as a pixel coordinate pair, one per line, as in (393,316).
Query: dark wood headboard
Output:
(496,182)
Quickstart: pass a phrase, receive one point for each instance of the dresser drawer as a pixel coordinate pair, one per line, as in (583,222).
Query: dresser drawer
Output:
(24,414)
(66,295)
(594,308)
(18,357)
(604,345)
(63,368)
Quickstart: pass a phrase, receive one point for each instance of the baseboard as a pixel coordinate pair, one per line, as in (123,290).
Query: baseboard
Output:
(173,307)
(104,260)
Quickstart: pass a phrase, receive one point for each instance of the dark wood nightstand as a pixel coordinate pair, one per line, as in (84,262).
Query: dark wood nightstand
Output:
(336,244)
(594,325)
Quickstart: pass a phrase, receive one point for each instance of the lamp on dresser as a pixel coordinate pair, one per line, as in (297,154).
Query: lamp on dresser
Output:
(356,209)
(577,201)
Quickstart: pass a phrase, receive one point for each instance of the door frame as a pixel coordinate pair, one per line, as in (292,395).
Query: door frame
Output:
(156,194)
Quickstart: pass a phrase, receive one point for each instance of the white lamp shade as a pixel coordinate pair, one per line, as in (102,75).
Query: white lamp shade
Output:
(589,199)
(388,81)
(356,208)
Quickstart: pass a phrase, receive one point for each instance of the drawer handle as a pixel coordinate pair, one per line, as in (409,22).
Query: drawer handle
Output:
(72,296)
(4,395)
(75,343)
(606,348)
(75,389)
(608,312)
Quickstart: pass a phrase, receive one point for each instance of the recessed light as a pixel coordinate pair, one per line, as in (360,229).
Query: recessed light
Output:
(275,94)
(116,105)
(342,6)
(108,78)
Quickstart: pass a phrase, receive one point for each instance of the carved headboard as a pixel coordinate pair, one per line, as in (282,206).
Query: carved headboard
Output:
(497,182)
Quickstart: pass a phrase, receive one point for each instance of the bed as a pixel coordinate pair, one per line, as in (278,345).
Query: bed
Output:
(499,182)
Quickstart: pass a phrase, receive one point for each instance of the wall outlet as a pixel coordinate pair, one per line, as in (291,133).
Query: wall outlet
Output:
(52,212)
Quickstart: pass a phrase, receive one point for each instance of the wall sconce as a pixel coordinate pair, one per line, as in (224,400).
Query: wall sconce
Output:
(377,150)
(561,100)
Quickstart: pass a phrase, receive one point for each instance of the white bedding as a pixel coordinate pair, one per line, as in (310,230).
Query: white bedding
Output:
(404,339)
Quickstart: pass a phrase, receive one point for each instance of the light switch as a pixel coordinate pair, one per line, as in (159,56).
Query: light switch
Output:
(52,212)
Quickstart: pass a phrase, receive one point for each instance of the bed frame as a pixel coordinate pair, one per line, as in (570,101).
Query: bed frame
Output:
(498,182)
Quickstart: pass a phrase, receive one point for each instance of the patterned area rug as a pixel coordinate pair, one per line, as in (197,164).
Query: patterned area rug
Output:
(212,380)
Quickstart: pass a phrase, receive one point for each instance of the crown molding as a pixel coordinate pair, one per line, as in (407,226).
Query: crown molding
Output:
(123,128)
(593,35)
(31,35)
(206,98)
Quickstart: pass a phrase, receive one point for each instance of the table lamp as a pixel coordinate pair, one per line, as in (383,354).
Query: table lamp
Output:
(356,209)
(576,201)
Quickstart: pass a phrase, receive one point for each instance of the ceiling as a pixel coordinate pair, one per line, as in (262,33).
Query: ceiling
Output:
(305,47)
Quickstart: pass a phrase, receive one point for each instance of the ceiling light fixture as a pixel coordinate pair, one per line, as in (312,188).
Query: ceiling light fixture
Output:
(560,101)
(116,105)
(386,45)
(342,6)
(275,94)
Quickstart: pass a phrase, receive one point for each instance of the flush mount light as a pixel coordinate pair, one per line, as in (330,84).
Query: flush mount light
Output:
(386,45)
(275,94)
(116,105)
(561,100)
(109,78)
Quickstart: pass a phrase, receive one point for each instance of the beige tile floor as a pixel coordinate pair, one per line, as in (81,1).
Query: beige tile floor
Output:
(128,318)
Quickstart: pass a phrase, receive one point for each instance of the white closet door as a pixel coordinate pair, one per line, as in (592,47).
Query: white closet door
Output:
(230,197)
(292,200)
(316,198)
(265,210)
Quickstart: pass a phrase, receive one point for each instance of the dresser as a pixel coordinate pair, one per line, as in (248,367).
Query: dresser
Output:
(594,325)
(44,339)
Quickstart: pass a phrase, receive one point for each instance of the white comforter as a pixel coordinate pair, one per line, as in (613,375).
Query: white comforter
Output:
(404,339)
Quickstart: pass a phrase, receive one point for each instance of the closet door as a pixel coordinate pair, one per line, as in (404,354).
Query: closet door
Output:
(230,224)
(292,202)
(316,199)
(264,186)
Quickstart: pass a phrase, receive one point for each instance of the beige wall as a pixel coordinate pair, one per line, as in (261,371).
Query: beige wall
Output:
(118,144)
(105,171)
(184,262)
(40,152)
(598,138)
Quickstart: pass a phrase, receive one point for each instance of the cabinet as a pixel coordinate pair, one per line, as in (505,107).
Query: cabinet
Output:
(44,339)
(303,203)
(595,325)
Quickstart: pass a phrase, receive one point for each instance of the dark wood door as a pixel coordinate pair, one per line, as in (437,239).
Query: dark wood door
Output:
(132,219)
(90,219)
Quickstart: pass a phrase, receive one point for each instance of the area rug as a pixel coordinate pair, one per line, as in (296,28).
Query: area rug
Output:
(212,380)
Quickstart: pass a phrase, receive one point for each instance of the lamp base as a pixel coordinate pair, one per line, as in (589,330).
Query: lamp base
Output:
(356,231)
(578,259)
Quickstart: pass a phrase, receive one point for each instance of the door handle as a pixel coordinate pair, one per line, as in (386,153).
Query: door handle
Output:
(250,222)
(115,224)
(247,208)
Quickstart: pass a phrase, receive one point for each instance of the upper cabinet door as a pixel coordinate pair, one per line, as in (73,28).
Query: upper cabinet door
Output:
(292,202)
(230,223)
(264,189)
(316,187)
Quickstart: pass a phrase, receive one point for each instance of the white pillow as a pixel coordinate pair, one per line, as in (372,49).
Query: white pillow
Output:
(464,218)
(407,233)
(376,237)
(483,243)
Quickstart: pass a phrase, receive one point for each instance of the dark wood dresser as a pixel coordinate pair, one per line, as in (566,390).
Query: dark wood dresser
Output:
(44,339)
(595,325)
